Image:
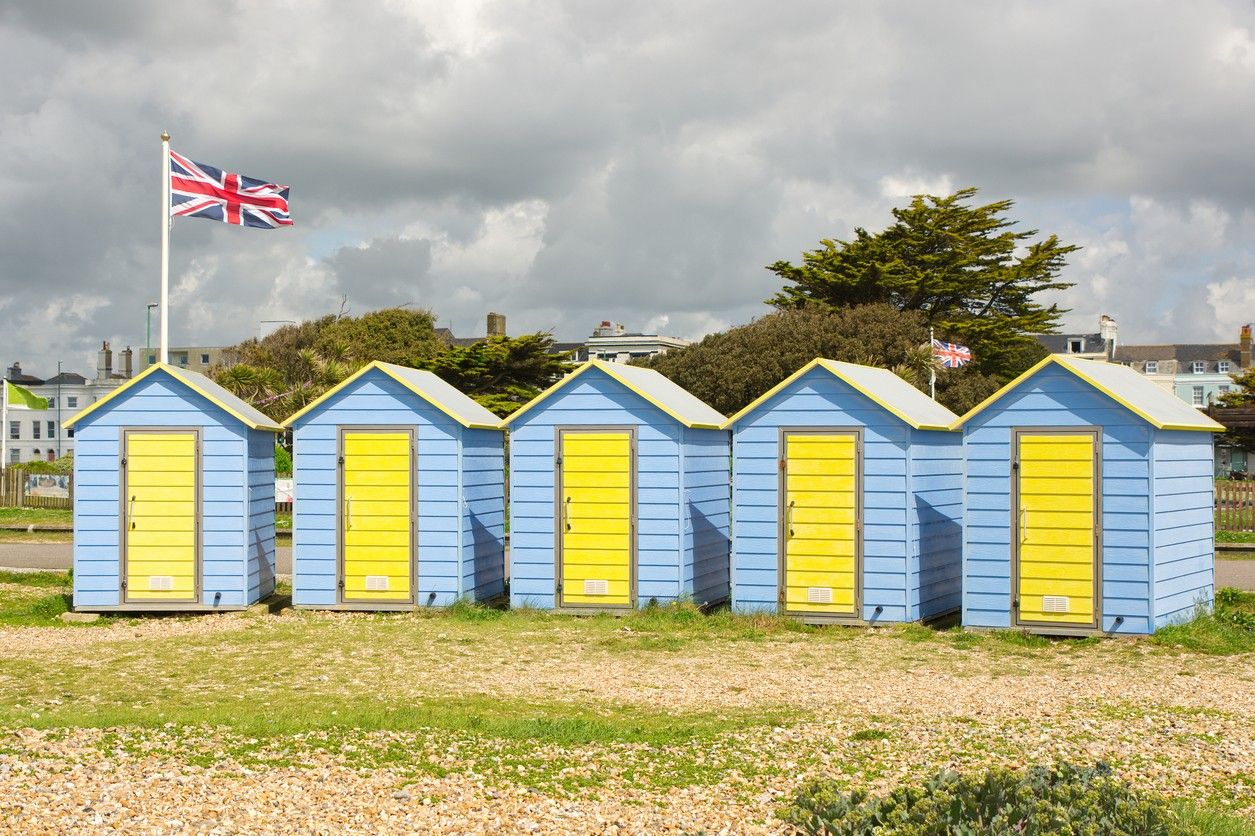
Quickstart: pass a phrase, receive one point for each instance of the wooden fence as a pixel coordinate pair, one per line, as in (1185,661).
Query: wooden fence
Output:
(14,493)
(1235,505)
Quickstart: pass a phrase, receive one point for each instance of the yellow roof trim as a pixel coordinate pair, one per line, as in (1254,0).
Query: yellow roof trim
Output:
(172,372)
(1051,359)
(820,362)
(770,393)
(375,364)
(608,368)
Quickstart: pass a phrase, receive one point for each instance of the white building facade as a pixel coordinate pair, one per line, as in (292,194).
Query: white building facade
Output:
(36,434)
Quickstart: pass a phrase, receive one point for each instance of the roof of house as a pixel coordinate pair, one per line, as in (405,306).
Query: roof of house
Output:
(654,387)
(64,378)
(201,385)
(880,385)
(1058,343)
(1130,389)
(24,379)
(427,385)
(1181,352)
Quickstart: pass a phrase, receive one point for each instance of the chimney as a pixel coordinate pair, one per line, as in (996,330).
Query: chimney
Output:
(1244,346)
(496,324)
(127,362)
(104,362)
(1108,330)
(14,371)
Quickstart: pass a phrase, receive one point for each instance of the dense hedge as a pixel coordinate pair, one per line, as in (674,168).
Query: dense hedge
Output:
(1041,800)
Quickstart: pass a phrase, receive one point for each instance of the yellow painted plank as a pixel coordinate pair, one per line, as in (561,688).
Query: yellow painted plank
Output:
(375,515)
(596,506)
(161,521)
(820,498)
(1056,550)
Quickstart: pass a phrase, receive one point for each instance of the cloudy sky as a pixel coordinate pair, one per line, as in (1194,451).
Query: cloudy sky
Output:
(565,163)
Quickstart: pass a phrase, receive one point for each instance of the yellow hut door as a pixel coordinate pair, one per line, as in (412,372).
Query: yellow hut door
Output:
(376,513)
(820,523)
(595,519)
(1054,528)
(160,518)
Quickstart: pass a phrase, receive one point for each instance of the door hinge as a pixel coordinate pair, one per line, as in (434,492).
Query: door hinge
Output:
(124,583)
(340,583)
(1015,465)
(782,467)
(1015,603)
(340,460)
(124,461)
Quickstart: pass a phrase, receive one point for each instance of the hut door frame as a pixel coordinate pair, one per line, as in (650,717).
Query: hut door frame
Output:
(198,519)
(782,523)
(362,603)
(558,505)
(1054,627)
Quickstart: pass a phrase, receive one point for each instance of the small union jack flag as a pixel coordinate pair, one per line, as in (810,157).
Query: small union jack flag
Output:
(202,191)
(951,355)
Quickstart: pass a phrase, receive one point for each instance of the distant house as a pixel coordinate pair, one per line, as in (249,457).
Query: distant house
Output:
(1098,345)
(609,341)
(1197,373)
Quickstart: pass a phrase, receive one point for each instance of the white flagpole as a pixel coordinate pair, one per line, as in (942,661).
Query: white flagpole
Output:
(932,367)
(164,355)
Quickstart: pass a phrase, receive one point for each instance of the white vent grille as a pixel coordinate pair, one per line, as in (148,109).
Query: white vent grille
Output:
(160,583)
(596,587)
(818,595)
(1054,603)
(376,583)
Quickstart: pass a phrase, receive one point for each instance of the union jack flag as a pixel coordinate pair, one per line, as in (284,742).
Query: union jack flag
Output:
(951,355)
(202,191)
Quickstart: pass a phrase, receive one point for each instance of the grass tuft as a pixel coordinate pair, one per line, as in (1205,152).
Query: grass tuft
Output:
(1227,629)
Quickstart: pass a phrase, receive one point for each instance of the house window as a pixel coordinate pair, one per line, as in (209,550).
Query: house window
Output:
(1198,367)
(52,403)
(1224,390)
(1076,346)
(1152,367)
(69,433)
(34,429)
(15,456)
(52,455)
(152,358)
(1198,395)
(36,453)
(72,402)
(204,359)
(52,429)
(15,430)
(1223,367)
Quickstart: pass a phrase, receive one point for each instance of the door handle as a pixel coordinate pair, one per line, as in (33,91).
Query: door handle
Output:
(788,516)
(348,513)
(1023,524)
(566,513)
(130,512)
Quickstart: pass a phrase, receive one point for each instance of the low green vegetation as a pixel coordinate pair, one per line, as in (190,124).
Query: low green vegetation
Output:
(1235,537)
(36,516)
(1227,629)
(1040,800)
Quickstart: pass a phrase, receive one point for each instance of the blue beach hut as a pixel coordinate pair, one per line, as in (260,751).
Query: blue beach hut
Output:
(174,497)
(618,493)
(399,495)
(1089,503)
(846,499)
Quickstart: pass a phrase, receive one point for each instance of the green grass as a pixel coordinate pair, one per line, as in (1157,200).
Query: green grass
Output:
(1235,537)
(1228,629)
(42,580)
(35,516)
(1211,822)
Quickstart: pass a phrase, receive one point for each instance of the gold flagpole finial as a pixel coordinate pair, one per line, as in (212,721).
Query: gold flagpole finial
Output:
(165,137)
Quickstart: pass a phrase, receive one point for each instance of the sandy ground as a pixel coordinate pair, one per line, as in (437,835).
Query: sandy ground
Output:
(1171,722)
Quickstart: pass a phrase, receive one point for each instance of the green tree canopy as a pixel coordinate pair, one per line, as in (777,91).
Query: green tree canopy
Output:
(732,368)
(297,364)
(1242,396)
(501,373)
(962,267)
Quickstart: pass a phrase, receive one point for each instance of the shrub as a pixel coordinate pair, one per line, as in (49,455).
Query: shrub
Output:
(1041,800)
(283,461)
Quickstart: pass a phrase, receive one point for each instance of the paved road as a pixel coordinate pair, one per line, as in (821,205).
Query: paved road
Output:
(1239,573)
(61,556)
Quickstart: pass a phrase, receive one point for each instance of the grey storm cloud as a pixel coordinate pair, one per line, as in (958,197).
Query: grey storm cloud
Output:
(567,163)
